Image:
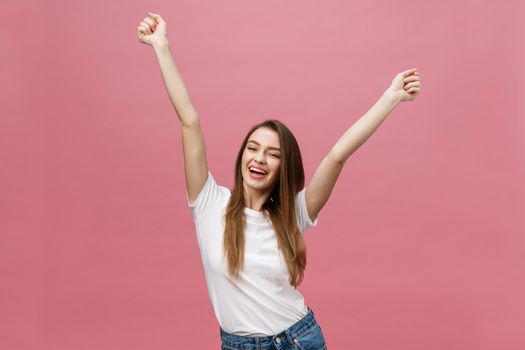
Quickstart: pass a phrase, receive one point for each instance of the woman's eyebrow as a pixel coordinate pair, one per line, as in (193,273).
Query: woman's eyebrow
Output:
(257,143)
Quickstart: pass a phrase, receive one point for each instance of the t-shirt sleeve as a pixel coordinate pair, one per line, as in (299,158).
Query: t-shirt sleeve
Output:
(302,213)
(206,198)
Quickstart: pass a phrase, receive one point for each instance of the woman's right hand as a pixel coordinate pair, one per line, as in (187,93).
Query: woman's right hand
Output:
(152,30)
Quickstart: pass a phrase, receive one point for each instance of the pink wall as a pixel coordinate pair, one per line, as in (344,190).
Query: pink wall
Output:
(421,245)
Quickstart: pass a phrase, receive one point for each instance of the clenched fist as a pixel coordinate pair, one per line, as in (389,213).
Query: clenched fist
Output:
(152,29)
(406,85)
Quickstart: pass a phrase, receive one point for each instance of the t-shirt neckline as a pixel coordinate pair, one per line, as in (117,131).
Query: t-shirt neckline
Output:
(253,212)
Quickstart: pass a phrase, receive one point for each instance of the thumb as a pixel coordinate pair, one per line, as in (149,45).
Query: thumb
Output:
(155,16)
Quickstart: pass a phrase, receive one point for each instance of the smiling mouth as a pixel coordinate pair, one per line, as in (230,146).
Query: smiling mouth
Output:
(256,170)
(257,173)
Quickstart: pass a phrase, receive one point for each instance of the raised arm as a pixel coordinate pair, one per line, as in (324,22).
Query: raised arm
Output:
(405,87)
(152,31)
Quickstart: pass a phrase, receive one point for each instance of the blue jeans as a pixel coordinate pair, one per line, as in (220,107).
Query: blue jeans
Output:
(305,334)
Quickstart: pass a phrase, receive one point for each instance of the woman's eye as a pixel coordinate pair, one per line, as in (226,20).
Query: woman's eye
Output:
(275,155)
(251,148)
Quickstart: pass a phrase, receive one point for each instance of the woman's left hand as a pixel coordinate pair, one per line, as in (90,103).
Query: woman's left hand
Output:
(405,85)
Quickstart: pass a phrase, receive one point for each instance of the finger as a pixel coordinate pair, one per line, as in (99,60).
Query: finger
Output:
(408,72)
(150,22)
(409,85)
(411,78)
(146,27)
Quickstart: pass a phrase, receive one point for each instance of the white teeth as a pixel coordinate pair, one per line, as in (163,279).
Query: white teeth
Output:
(257,170)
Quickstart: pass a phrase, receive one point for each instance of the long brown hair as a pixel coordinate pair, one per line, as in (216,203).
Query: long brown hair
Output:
(280,205)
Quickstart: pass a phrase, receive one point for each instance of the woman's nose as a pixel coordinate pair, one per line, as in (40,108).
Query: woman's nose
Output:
(259,157)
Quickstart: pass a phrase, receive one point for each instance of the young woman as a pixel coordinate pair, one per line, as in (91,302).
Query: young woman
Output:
(250,238)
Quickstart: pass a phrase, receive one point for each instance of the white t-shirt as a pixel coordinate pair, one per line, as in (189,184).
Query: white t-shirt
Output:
(263,302)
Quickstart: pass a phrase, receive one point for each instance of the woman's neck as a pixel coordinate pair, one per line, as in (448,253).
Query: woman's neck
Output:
(254,199)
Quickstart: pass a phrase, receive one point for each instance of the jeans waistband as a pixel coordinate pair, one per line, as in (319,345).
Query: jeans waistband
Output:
(279,341)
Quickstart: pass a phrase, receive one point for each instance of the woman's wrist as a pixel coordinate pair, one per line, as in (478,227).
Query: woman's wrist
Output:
(160,44)
(391,97)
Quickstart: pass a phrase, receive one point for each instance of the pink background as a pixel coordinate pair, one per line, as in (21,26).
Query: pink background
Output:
(421,245)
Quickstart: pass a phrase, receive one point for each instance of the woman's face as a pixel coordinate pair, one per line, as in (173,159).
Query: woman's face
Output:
(263,152)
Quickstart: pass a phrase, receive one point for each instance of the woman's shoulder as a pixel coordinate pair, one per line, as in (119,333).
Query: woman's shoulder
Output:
(224,190)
